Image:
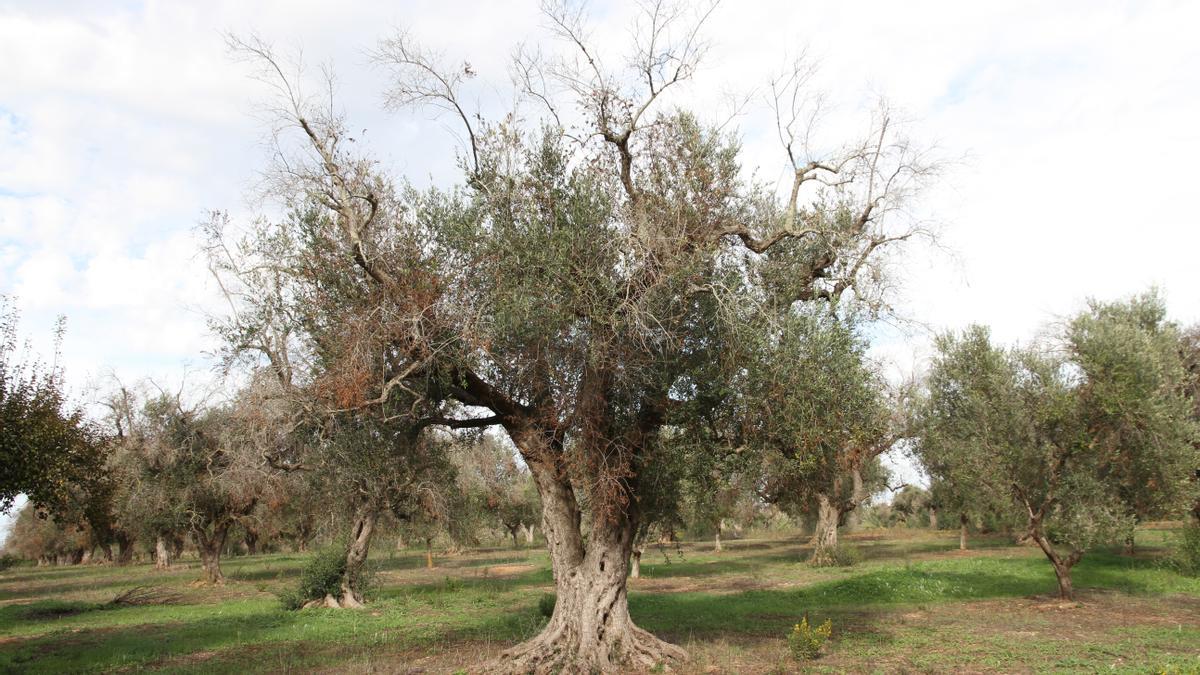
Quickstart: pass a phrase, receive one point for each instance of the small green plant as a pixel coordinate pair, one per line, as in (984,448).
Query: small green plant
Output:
(452,585)
(804,642)
(546,604)
(1185,558)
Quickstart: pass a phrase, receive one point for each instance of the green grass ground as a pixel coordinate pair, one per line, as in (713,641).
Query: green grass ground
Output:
(913,604)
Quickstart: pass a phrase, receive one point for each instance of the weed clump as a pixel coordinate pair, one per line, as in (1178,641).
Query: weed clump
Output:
(805,642)
(140,596)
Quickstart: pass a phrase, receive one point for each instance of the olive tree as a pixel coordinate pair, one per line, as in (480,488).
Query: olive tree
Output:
(1189,350)
(820,418)
(1134,402)
(1010,425)
(567,291)
(48,449)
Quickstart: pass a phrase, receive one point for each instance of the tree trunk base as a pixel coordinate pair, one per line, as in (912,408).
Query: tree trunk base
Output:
(347,601)
(822,557)
(558,649)
(825,537)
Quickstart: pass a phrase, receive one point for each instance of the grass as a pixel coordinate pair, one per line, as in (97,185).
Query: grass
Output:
(913,604)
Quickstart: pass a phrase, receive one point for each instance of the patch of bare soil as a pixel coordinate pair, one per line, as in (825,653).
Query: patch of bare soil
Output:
(507,570)
(715,584)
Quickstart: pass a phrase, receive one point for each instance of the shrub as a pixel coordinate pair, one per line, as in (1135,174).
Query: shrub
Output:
(804,642)
(321,576)
(7,560)
(1185,559)
(546,604)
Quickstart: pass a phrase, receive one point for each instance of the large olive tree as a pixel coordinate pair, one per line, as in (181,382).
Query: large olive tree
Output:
(576,288)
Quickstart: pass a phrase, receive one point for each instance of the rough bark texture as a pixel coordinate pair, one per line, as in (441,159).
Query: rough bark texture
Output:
(590,630)
(933,518)
(717,540)
(962,532)
(356,557)
(854,516)
(635,563)
(124,548)
(162,554)
(429,553)
(210,554)
(825,535)
(1062,565)
(529,534)
(1063,574)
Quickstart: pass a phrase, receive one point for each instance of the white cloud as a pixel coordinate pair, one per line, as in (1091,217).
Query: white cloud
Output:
(122,123)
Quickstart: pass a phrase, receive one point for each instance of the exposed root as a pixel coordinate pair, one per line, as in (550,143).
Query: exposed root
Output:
(558,650)
(348,601)
(330,602)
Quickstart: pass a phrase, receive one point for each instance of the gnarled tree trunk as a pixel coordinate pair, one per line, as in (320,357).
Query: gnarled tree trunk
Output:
(854,515)
(962,531)
(717,539)
(124,548)
(210,553)
(1066,590)
(825,535)
(356,557)
(635,562)
(528,533)
(933,518)
(590,630)
(162,554)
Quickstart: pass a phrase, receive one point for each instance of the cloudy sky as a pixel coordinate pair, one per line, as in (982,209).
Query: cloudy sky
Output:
(1070,127)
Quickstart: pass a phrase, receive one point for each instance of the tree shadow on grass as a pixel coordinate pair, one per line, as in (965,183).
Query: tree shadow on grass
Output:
(87,650)
(223,643)
(417,561)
